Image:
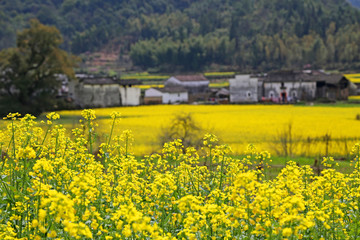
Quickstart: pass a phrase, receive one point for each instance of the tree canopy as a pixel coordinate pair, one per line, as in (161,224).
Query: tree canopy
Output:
(170,35)
(29,72)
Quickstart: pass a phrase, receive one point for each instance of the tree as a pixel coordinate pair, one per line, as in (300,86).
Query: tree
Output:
(183,127)
(28,77)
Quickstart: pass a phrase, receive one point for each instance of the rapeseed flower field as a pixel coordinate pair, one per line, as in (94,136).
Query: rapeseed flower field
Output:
(53,186)
(315,130)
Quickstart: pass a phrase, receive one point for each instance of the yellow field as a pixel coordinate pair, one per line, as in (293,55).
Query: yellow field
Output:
(354,97)
(240,125)
(355,77)
(55,187)
(212,85)
(147,86)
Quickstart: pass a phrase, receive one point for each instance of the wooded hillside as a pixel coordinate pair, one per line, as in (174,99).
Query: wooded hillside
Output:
(189,35)
(355,3)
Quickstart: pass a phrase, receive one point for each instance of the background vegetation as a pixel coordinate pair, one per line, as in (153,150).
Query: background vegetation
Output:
(170,35)
(29,73)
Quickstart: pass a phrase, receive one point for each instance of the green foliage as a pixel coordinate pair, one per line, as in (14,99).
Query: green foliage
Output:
(191,54)
(190,35)
(29,72)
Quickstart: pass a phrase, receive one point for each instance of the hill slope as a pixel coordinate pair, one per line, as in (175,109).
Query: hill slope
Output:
(355,3)
(193,34)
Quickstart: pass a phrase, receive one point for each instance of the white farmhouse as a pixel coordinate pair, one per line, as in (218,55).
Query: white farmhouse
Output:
(243,89)
(152,96)
(166,95)
(288,86)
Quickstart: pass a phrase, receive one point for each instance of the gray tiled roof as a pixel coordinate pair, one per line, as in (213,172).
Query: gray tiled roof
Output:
(172,89)
(191,78)
(108,81)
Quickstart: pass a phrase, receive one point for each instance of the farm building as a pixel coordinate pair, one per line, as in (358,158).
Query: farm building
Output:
(287,86)
(334,87)
(89,91)
(219,95)
(243,89)
(194,84)
(166,95)
(290,86)
(152,96)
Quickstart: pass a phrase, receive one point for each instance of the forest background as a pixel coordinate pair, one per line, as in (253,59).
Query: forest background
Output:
(197,35)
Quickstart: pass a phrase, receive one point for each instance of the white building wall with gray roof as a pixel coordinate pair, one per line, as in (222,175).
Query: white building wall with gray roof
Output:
(243,89)
(191,86)
(294,90)
(152,92)
(130,96)
(176,97)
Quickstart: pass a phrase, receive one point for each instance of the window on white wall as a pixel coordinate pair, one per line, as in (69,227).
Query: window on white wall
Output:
(271,94)
(248,94)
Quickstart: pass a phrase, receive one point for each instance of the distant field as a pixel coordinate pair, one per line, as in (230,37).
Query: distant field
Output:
(355,77)
(211,85)
(314,129)
(149,77)
(356,98)
(147,86)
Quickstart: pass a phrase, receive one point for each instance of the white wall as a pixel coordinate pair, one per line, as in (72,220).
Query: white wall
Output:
(151,92)
(130,96)
(243,89)
(299,90)
(175,97)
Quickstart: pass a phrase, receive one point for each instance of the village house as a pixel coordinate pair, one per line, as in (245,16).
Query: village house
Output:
(90,91)
(192,83)
(280,86)
(287,86)
(219,95)
(197,86)
(290,86)
(334,87)
(243,89)
(167,95)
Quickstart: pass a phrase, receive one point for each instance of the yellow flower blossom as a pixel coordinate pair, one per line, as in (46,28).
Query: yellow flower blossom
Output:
(67,191)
